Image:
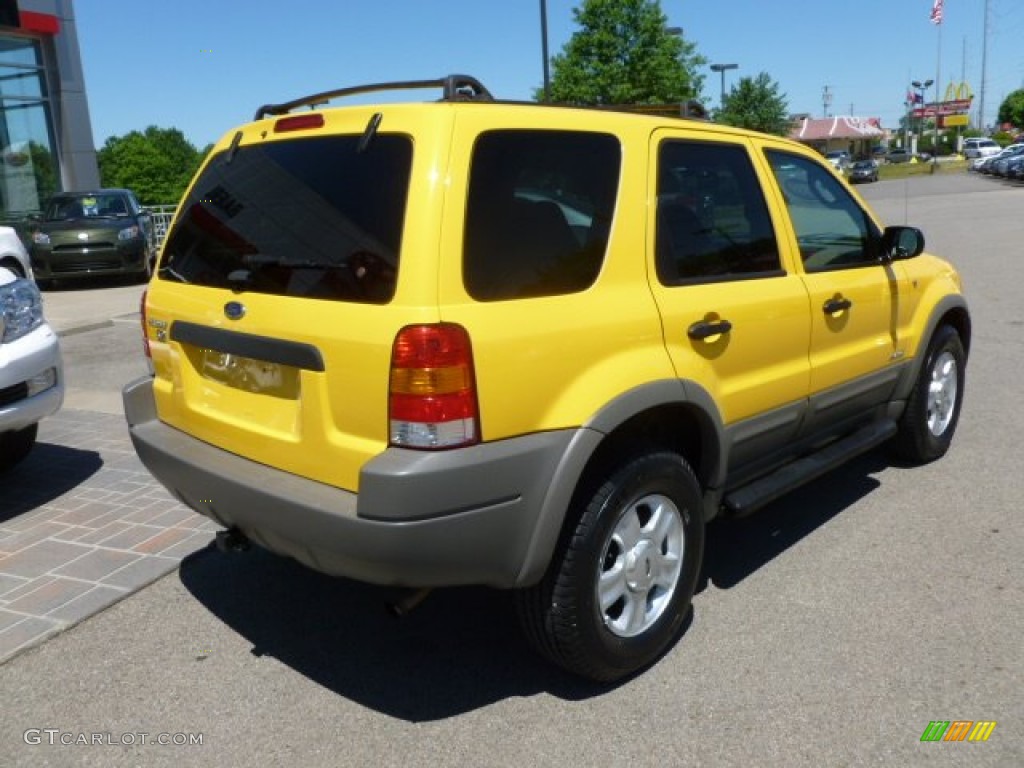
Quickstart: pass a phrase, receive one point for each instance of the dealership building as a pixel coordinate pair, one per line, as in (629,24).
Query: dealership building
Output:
(46,141)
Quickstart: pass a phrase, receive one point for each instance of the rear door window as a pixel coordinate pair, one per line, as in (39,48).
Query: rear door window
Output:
(539,212)
(713,221)
(314,218)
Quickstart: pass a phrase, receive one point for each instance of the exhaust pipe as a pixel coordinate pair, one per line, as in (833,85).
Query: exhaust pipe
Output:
(403,606)
(231,540)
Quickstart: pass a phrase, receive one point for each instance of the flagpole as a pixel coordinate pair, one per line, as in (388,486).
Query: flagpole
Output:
(938,83)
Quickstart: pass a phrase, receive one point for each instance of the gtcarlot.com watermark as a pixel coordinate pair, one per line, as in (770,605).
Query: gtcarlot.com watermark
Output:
(57,737)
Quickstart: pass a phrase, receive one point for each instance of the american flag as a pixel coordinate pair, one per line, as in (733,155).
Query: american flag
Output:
(937,12)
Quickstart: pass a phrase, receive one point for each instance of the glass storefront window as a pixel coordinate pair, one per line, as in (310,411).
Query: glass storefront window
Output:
(19,52)
(28,167)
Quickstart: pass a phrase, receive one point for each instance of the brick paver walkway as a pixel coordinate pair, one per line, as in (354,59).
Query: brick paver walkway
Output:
(82,525)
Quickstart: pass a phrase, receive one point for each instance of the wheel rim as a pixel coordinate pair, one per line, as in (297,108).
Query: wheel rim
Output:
(640,566)
(942,394)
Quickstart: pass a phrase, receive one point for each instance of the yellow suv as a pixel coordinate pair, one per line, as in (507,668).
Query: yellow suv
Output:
(532,347)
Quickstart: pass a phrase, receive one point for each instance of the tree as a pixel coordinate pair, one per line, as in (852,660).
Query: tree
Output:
(756,103)
(1012,109)
(623,54)
(44,170)
(156,164)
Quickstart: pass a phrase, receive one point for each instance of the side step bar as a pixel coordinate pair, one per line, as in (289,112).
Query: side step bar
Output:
(765,490)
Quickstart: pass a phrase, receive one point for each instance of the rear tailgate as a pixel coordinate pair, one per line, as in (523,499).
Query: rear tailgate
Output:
(278,296)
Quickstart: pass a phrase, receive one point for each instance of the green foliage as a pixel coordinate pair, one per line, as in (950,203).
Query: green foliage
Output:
(946,146)
(44,170)
(156,164)
(1012,109)
(756,103)
(622,54)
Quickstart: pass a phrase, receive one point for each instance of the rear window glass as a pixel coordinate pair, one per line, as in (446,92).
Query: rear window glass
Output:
(317,218)
(539,211)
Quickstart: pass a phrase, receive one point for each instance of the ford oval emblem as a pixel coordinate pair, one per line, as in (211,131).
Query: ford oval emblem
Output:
(234,310)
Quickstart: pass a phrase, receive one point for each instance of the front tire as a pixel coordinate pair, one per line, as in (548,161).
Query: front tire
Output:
(933,409)
(619,587)
(14,446)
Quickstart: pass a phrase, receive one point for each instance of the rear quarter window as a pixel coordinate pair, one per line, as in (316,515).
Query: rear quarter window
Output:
(538,213)
(315,218)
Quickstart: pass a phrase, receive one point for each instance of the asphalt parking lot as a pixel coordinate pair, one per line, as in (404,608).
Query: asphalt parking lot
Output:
(831,628)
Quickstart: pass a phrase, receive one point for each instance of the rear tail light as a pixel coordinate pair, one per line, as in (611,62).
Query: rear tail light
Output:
(432,400)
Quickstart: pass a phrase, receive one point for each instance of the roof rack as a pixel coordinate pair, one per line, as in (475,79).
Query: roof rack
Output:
(455,88)
(690,109)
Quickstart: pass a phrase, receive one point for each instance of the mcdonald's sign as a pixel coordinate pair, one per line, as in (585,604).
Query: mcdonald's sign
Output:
(958,730)
(961,92)
(957,101)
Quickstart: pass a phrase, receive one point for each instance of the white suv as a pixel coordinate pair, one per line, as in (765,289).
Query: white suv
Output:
(31,372)
(974,148)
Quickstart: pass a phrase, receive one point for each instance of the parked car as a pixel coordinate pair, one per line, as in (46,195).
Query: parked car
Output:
(838,160)
(12,253)
(998,165)
(1015,168)
(862,170)
(535,348)
(987,165)
(898,155)
(31,371)
(92,233)
(979,147)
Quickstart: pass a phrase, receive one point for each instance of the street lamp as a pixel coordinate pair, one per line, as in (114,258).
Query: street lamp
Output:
(921,88)
(544,46)
(721,69)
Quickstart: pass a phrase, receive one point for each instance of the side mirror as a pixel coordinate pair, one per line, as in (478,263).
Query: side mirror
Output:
(34,217)
(902,243)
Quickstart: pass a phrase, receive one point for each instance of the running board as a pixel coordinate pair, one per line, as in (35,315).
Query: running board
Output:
(749,498)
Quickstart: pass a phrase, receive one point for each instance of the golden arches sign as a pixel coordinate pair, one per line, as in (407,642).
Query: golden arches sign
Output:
(961,92)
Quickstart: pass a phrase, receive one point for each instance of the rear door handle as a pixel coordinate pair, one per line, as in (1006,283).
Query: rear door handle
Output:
(833,306)
(703,329)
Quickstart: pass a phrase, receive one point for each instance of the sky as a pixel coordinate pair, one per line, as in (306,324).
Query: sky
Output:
(204,66)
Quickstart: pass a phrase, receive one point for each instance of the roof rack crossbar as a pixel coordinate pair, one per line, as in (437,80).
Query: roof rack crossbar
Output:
(455,88)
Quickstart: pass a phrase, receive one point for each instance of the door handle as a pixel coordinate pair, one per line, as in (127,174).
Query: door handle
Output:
(703,329)
(833,306)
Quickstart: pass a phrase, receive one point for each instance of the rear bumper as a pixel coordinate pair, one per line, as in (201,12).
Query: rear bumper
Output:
(469,516)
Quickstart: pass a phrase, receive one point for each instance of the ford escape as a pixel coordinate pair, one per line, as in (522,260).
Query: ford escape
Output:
(532,347)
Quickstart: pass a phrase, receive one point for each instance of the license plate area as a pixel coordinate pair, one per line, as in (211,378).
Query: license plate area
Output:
(244,373)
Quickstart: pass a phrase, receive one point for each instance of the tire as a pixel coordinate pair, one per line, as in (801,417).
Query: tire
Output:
(14,446)
(638,539)
(148,262)
(933,409)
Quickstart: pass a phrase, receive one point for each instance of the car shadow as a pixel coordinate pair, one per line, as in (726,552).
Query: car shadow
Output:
(47,473)
(86,283)
(735,548)
(458,651)
(461,649)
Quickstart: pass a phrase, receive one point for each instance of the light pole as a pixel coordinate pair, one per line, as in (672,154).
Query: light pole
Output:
(921,88)
(721,69)
(544,46)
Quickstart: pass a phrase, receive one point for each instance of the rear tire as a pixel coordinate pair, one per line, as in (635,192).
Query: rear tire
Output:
(619,587)
(14,446)
(933,409)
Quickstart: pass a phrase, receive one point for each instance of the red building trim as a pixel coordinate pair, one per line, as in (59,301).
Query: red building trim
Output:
(43,23)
